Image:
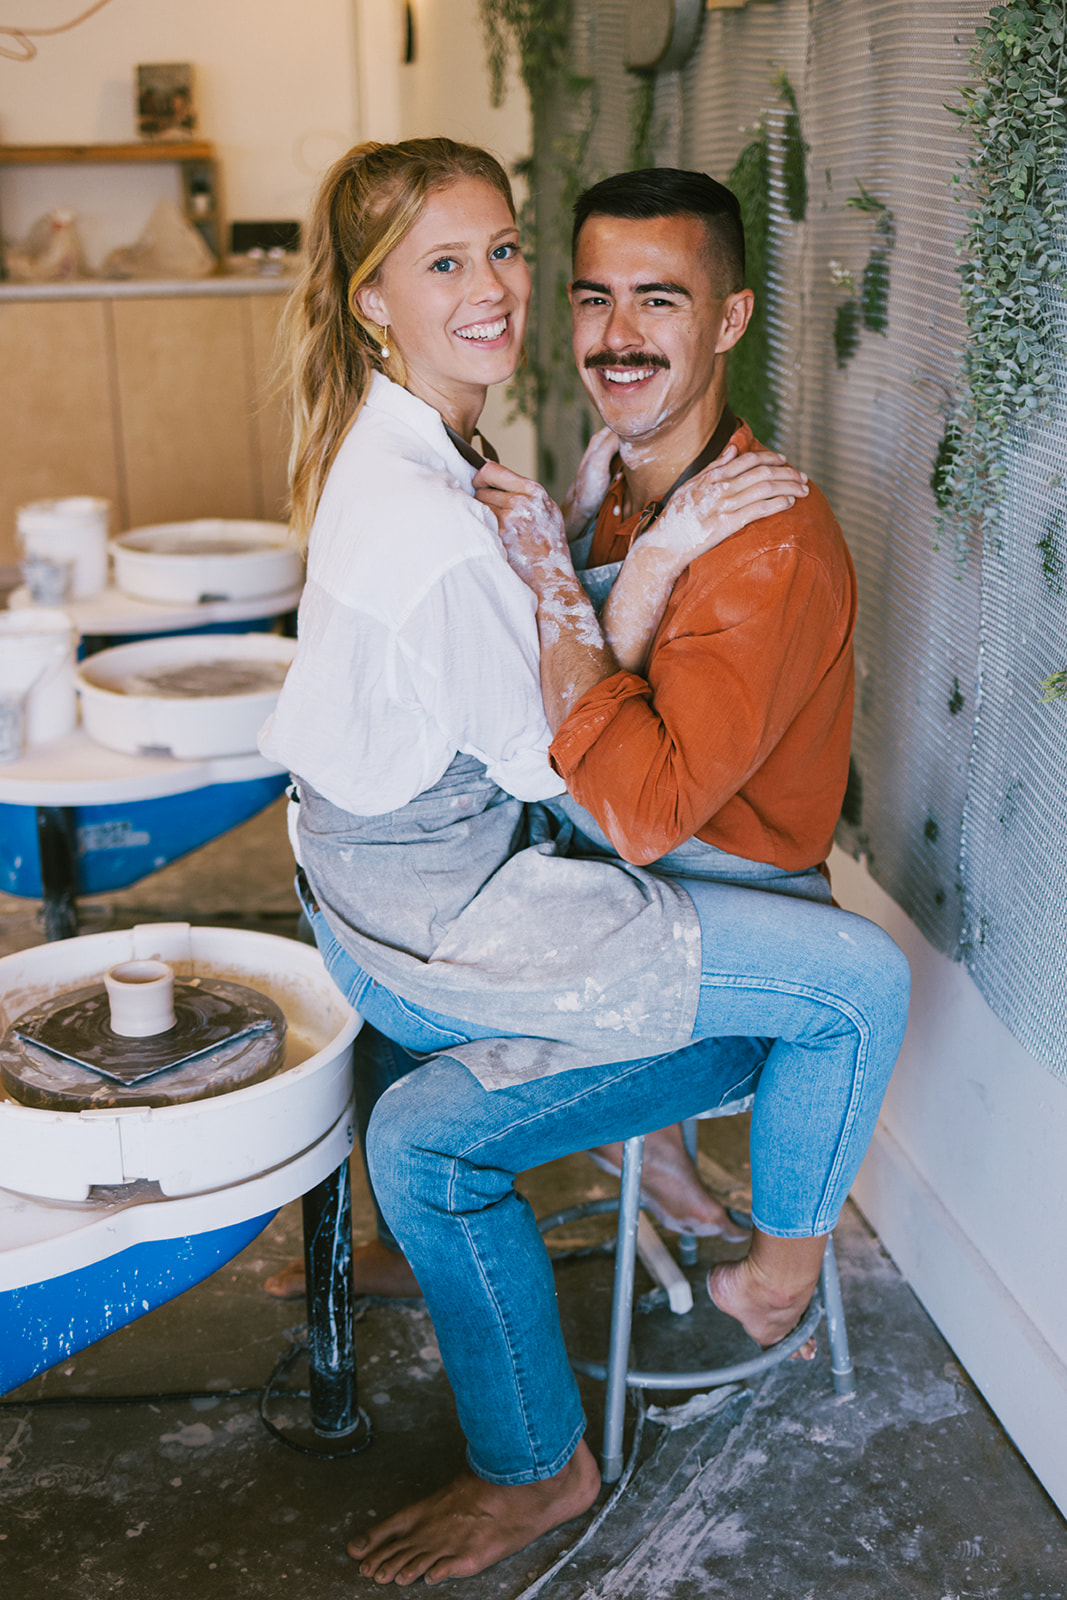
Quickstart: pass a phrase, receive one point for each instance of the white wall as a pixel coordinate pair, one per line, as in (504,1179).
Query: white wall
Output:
(966,1184)
(277,97)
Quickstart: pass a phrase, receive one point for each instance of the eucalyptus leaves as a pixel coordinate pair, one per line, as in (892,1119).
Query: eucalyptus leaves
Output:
(1015,113)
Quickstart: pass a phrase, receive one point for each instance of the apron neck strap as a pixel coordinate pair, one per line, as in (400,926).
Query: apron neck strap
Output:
(714,447)
(468,452)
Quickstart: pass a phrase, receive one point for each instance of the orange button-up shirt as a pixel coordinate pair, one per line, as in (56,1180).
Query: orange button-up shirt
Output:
(739,731)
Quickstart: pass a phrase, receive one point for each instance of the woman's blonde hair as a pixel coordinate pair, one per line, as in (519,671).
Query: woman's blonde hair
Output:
(368,201)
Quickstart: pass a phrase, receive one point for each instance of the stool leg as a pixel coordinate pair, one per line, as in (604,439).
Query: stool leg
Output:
(331,1305)
(687,1245)
(58,848)
(622,1309)
(840,1358)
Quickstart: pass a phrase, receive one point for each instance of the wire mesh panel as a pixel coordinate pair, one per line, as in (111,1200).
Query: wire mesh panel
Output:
(865,333)
(1014,851)
(879,345)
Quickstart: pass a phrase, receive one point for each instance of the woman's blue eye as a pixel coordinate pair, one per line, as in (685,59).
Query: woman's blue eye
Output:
(504,252)
(443,264)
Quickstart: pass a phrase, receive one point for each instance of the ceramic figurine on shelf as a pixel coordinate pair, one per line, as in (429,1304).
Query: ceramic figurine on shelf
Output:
(50,253)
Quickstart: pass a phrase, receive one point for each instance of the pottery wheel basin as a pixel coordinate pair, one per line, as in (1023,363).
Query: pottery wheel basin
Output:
(212,558)
(200,1145)
(192,696)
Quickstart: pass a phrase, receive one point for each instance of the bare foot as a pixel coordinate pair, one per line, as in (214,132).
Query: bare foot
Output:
(768,1291)
(470,1524)
(671,1188)
(375,1270)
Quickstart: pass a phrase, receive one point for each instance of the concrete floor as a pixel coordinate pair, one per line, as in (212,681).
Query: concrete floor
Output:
(778,1492)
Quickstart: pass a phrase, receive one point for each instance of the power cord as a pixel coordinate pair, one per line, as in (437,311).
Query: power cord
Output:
(264,1395)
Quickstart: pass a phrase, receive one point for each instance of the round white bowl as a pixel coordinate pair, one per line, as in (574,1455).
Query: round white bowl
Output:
(247,559)
(193,728)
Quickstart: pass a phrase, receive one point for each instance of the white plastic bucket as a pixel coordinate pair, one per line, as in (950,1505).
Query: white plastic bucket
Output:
(37,651)
(71,531)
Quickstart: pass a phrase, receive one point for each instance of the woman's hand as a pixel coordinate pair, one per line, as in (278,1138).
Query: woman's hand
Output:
(591,481)
(734,491)
(574,655)
(529,522)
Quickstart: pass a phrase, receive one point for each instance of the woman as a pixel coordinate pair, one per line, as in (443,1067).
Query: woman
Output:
(549,988)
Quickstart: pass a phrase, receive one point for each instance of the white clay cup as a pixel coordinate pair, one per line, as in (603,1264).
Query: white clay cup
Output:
(141,996)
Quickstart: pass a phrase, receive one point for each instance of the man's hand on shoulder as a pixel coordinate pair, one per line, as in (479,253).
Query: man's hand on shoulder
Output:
(734,491)
(591,481)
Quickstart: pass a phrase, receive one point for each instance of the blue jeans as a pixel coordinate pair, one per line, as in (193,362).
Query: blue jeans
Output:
(801,1003)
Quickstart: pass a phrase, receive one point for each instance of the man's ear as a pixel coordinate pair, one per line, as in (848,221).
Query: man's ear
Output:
(737,312)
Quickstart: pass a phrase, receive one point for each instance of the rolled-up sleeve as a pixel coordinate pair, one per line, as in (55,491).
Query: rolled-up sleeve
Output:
(742,648)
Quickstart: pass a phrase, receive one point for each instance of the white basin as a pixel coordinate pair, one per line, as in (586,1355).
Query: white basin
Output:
(206,1145)
(126,705)
(212,558)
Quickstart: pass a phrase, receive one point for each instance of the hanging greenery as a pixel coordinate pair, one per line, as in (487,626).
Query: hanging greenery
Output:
(874,289)
(642,108)
(536,31)
(1014,187)
(751,391)
(944,460)
(871,308)
(794,154)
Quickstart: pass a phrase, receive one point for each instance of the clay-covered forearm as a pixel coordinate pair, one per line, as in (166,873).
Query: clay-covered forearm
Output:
(655,757)
(635,606)
(574,654)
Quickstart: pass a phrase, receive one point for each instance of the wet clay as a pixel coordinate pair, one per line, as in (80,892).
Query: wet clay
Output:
(201,680)
(172,544)
(64,1055)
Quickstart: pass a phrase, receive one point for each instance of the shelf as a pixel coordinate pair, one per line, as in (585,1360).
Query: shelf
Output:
(196,158)
(42,155)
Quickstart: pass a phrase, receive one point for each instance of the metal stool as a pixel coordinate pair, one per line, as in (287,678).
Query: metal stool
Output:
(616,1371)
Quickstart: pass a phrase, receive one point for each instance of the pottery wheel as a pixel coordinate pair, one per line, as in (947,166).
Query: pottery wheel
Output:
(64,1056)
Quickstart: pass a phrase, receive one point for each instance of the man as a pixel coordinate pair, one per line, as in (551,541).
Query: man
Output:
(717,748)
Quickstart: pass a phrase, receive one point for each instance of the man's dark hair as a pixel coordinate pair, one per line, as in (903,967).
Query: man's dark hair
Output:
(671,192)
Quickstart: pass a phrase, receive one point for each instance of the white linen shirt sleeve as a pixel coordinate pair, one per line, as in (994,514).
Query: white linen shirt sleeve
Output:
(471,651)
(372,711)
(416,638)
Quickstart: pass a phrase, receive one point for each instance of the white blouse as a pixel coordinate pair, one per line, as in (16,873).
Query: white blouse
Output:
(416,640)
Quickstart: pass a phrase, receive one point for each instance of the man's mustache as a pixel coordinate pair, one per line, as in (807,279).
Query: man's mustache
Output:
(632,358)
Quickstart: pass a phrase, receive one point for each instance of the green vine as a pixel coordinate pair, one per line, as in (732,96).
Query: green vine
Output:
(751,393)
(537,31)
(642,108)
(794,154)
(537,34)
(1014,186)
(871,308)
(944,462)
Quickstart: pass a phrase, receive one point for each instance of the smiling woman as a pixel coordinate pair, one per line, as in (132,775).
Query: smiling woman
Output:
(455,308)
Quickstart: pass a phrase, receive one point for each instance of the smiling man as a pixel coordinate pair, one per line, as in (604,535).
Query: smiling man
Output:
(731,724)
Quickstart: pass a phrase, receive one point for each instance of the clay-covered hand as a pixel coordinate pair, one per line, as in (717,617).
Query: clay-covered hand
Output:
(729,494)
(591,482)
(529,522)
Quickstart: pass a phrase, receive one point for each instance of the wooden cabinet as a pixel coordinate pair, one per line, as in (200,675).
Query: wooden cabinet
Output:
(162,403)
